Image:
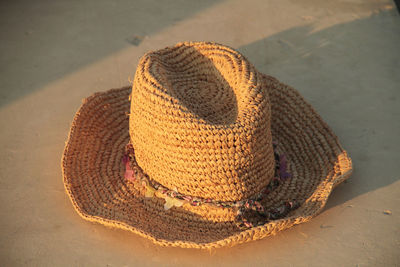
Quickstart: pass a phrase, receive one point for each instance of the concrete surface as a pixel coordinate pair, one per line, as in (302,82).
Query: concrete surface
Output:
(342,55)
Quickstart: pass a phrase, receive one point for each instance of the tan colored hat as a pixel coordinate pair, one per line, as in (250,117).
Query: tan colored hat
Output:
(203,151)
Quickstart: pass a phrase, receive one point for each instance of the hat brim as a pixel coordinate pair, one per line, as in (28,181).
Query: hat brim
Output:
(94,173)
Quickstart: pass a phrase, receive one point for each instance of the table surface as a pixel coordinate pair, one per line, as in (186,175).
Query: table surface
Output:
(343,56)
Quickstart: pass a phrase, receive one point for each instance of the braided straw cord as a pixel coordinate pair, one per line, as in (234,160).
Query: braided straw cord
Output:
(94,174)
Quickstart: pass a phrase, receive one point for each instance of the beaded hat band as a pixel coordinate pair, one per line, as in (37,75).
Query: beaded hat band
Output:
(244,218)
(185,156)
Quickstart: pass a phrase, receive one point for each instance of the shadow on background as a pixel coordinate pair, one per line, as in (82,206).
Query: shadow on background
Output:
(343,71)
(51,39)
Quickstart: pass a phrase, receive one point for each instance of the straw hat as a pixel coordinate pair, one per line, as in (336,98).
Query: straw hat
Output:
(202,151)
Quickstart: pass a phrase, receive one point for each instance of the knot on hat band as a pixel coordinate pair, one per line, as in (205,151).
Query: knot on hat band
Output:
(250,212)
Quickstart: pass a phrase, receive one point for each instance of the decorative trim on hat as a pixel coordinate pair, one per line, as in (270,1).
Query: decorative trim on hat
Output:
(250,212)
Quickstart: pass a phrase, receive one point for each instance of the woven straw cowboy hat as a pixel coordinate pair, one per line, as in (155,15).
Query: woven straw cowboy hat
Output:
(202,151)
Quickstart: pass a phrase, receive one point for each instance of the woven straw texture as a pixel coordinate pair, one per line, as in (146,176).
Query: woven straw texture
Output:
(202,120)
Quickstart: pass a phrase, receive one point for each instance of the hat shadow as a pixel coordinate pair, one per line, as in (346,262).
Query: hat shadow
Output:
(321,66)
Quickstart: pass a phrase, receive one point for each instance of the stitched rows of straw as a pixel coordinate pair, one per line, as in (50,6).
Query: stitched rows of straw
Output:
(200,122)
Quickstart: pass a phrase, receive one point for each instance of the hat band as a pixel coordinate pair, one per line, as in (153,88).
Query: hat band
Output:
(250,212)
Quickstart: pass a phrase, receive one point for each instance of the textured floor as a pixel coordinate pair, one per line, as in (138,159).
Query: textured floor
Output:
(343,56)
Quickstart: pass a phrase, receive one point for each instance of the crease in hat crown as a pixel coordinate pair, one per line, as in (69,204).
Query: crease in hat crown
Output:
(200,122)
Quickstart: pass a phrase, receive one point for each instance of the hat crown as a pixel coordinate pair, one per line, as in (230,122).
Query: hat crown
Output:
(200,122)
